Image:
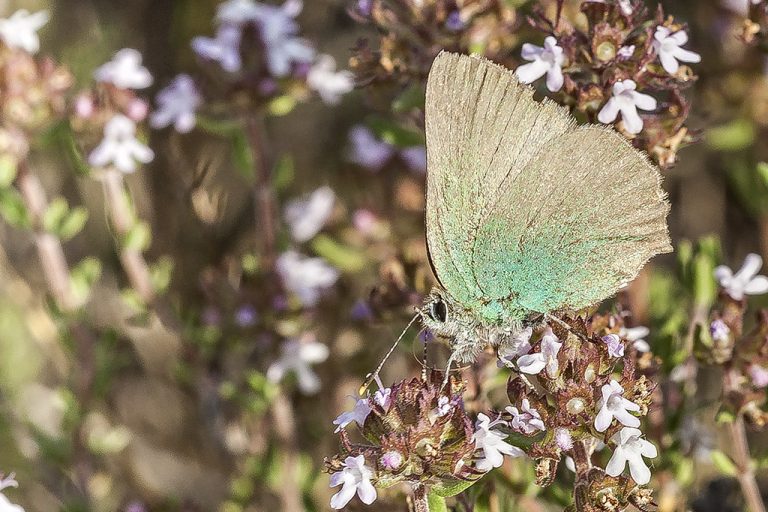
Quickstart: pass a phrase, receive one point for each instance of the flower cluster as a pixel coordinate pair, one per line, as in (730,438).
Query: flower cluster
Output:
(621,67)
(414,432)
(575,387)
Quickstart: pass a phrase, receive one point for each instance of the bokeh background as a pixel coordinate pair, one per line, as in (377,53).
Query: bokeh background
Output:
(177,412)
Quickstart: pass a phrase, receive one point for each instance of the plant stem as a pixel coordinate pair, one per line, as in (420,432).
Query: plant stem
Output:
(737,436)
(263,195)
(581,458)
(285,428)
(136,267)
(420,500)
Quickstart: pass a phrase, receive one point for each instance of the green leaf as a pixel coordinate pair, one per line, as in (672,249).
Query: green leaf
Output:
(342,257)
(284,173)
(704,284)
(54,214)
(12,208)
(282,105)
(8,168)
(73,223)
(138,237)
(160,273)
(395,134)
(242,154)
(448,489)
(436,503)
(734,136)
(223,127)
(723,463)
(762,171)
(83,276)
(411,98)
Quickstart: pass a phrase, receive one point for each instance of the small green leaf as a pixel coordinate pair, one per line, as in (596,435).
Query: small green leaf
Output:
(448,489)
(395,134)
(723,463)
(83,276)
(242,154)
(138,237)
(8,168)
(436,503)
(342,257)
(704,284)
(160,273)
(281,105)
(54,214)
(734,136)
(762,171)
(725,416)
(73,223)
(284,173)
(12,208)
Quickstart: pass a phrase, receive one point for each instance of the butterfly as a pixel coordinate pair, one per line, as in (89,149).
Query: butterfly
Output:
(528,213)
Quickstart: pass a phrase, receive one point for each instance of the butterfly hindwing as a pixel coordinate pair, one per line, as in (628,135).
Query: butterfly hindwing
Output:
(526,212)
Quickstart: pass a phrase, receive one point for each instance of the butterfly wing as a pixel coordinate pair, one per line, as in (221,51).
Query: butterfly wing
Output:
(526,212)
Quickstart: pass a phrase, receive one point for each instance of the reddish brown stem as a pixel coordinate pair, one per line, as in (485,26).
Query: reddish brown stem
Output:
(285,428)
(737,435)
(263,194)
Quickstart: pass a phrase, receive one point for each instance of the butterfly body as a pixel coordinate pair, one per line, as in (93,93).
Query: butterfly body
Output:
(527,212)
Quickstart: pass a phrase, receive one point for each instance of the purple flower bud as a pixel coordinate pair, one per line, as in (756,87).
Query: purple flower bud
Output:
(364,7)
(246,316)
(615,345)
(563,439)
(454,22)
(719,331)
(391,460)
(759,376)
(361,311)
(267,87)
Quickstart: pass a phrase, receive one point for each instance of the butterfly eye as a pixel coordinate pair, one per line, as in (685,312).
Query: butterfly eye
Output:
(438,311)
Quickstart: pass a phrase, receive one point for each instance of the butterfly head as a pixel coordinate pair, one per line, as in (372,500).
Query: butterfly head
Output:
(446,318)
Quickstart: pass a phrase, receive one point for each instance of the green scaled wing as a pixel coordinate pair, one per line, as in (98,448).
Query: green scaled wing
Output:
(526,211)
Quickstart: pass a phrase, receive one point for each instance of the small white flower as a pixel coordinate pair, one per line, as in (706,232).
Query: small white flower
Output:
(366,150)
(444,406)
(358,414)
(759,375)
(614,344)
(278,30)
(526,420)
(626,100)
(626,52)
(237,12)
(354,478)
(5,503)
(667,45)
(330,84)
(519,345)
(307,216)
(546,60)
(224,48)
(124,71)
(626,7)
(177,104)
(297,356)
(631,448)
(305,277)
(20,30)
(547,358)
(614,405)
(719,331)
(636,335)
(120,146)
(492,443)
(746,281)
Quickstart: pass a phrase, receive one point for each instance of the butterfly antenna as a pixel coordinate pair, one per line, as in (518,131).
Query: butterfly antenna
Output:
(424,362)
(448,370)
(372,376)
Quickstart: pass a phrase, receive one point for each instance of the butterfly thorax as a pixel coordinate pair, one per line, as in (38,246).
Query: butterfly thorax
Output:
(468,331)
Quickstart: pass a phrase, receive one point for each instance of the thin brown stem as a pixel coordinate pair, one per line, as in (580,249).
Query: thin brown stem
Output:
(420,500)
(737,436)
(122,219)
(263,193)
(582,459)
(285,428)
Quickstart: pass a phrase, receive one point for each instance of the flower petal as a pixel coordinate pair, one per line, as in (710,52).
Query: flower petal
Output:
(757,286)
(617,463)
(341,498)
(555,79)
(366,492)
(641,474)
(608,113)
(603,419)
(752,264)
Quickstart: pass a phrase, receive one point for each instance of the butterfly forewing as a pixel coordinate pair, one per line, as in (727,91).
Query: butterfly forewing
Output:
(526,212)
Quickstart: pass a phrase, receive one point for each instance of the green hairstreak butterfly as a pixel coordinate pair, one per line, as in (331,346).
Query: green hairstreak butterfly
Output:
(528,213)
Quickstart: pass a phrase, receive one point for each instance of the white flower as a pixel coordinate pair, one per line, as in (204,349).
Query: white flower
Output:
(667,45)
(492,443)
(746,281)
(278,30)
(631,448)
(636,335)
(626,100)
(368,151)
(547,358)
(526,420)
(120,146)
(307,216)
(330,84)
(124,71)
(545,60)
(759,375)
(305,277)
(358,414)
(297,356)
(177,104)
(444,406)
(626,52)
(614,344)
(5,503)
(237,12)
(224,48)
(20,30)
(626,7)
(519,345)
(739,6)
(354,478)
(614,405)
